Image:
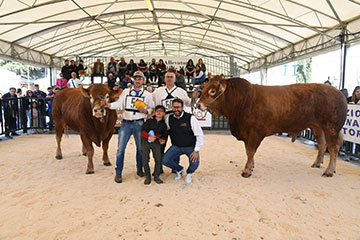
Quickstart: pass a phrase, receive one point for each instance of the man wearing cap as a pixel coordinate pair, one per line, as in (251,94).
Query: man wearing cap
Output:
(134,114)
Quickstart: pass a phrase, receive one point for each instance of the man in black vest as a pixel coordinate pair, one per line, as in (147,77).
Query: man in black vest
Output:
(186,137)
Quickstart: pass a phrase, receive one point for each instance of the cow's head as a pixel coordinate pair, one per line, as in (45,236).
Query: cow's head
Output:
(210,95)
(99,95)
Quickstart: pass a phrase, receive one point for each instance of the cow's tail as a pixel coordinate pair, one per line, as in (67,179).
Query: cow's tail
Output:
(66,130)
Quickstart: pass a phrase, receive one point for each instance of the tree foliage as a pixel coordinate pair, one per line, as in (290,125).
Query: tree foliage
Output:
(22,69)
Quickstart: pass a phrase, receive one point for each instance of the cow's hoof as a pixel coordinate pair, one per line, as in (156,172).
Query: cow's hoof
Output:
(90,172)
(107,163)
(58,157)
(315,165)
(245,175)
(327,174)
(84,154)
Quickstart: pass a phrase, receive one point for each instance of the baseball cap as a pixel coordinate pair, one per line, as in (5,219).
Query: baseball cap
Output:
(139,74)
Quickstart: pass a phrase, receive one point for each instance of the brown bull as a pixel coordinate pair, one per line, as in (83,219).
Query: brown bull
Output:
(256,111)
(83,111)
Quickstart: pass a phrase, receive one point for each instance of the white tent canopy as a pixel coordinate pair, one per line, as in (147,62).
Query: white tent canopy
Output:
(254,32)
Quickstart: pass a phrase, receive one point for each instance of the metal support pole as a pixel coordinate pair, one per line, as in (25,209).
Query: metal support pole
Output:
(343,60)
(51,77)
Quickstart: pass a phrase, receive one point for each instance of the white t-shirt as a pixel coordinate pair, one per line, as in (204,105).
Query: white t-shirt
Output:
(73,83)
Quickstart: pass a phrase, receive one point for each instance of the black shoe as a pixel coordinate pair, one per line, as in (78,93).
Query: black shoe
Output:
(140,173)
(118,178)
(158,180)
(8,137)
(147,180)
(14,134)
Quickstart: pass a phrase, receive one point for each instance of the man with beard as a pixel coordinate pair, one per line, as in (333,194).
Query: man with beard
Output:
(133,120)
(187,138)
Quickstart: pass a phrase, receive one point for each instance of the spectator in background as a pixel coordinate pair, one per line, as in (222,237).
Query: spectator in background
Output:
(189,69)
(345,92)
(73,82)
(121,68)
(74,68)
(49,110)
(19,92)
(97,70)
(153,71)
(199,76)
(354,99)
(201,65)
(81,68)
(180,80)
(131,68)
(111,80)
(142,66)
(161,70)
(149,88)
(66,70)
(28,104)
(111,67)
(41,105)
(126,81)
(11,110)
(61,82)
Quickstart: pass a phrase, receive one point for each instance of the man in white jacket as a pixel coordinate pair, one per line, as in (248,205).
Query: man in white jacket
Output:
(133,119)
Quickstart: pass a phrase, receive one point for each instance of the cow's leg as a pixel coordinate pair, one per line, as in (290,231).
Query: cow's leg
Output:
(90,153)
(105,146)
(333,140)
(320,139)
(251,146)
(59,126)
(84,150)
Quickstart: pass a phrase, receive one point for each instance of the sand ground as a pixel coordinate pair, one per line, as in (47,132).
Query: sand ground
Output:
(45,198)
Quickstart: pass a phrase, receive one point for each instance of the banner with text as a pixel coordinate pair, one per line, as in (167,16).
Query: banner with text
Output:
(351,128)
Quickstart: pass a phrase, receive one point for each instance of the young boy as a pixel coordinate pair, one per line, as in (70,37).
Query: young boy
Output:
(154,133)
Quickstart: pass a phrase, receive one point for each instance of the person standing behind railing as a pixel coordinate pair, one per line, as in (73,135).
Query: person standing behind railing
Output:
(28,104)
(10,104)
(41,105)
(49,103)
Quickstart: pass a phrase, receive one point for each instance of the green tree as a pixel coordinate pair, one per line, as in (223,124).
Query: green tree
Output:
(303,71)
(22,69)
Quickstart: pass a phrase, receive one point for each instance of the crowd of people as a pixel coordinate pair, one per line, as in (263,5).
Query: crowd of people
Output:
(121,73)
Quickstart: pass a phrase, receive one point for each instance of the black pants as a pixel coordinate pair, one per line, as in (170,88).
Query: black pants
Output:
(153,77)
(145,152)
(10,123)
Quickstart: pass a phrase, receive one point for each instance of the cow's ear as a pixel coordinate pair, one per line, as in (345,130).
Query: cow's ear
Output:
(115,94)
(84,91)
(222,85)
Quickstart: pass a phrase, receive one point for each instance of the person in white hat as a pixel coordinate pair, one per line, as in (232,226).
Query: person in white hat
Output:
(133,119)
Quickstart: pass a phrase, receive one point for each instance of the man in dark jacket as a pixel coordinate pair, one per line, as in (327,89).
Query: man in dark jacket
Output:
(11,109)
(66,70)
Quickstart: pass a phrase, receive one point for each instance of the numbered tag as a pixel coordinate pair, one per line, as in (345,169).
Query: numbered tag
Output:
(129,103)
(167,103)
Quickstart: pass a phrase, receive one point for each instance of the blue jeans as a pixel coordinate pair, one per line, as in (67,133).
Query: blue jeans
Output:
(173,153)
(126,130)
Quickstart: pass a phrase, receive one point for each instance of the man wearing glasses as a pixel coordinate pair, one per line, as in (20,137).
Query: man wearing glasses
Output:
(187,138)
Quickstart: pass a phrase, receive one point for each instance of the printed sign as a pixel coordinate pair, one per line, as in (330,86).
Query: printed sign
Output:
(351,128)
(204,118)
(129,103)
(167,103)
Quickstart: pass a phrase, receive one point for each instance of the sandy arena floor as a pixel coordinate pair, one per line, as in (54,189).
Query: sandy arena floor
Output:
(43,198)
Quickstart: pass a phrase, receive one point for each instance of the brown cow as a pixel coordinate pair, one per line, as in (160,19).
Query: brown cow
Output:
(256,111)
(83,111)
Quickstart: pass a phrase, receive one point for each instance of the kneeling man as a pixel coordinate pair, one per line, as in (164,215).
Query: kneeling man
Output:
(186,137)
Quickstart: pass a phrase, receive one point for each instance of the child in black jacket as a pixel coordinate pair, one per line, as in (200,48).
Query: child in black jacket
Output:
(154,133)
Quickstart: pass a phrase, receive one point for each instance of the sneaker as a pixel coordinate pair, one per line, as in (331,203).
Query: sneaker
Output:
(8,137)
(14,134)
(188,177)
(179,174)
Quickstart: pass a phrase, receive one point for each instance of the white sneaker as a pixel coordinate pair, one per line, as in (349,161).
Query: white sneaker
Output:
(179,174)
(188,177)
